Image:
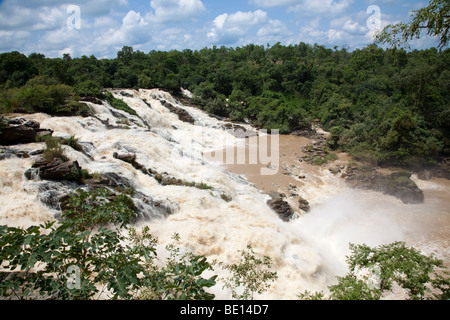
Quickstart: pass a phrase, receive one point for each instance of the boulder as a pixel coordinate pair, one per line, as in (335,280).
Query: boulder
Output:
(57,169)
(109,179)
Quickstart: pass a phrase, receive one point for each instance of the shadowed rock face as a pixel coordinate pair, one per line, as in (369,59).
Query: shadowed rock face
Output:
(397,184)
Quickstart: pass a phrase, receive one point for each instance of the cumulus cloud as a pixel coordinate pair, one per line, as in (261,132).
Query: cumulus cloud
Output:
(28,19)
(133,31)
(228,28)
(107,25)
(88,7)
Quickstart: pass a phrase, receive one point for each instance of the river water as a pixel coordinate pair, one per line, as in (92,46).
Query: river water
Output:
(308,252)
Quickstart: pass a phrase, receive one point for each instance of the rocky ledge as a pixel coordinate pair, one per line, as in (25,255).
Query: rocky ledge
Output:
(57,169)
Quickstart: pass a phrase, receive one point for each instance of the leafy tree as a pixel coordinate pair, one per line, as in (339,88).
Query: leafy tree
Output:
(125,55)
(434,19)
(16,69)
(180,278)
(250,276)
(88,88)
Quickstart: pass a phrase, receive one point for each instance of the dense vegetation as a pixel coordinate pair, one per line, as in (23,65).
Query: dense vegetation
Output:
(386,106)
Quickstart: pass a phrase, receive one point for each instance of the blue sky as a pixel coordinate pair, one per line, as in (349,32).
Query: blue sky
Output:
(51,26)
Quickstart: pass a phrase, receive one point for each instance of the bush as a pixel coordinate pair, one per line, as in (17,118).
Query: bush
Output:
(53,149)
(373,271)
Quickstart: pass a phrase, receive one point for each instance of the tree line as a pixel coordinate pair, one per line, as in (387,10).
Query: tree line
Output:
(386,106)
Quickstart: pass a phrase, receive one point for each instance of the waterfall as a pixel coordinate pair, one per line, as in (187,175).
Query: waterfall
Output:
(307,252)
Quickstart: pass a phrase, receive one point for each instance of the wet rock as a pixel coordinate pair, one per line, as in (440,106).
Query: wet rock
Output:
(93,100)
(126,94)
(304,205)
(148,208)
(239,131)
(36,152)
(425,175)
(52,193)
(281,206)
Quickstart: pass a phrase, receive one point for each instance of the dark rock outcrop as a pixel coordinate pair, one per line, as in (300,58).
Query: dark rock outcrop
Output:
(57,170)
(21,131)
(304,205)
(9,153)
(281,206)
(182,114)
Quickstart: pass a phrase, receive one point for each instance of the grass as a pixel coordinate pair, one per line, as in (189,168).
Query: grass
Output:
(226,197)
(119,104)
(73,143)
(53,149)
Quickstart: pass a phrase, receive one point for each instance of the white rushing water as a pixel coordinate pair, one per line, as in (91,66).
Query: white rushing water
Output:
(307,253)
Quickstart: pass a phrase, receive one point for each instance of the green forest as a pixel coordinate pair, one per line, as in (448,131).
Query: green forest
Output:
(384,106)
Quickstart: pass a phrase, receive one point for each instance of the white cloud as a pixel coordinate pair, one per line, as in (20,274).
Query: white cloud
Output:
(229,28)
(107,25)
(176,10)
(306,7)
(348,25)
(133,31)
(31,15)
(274,29)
